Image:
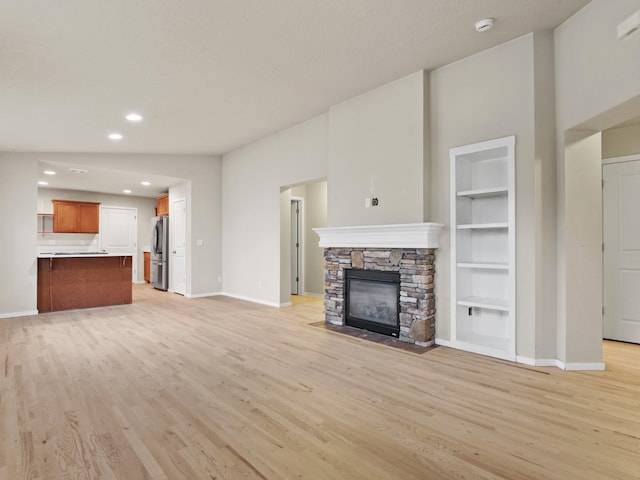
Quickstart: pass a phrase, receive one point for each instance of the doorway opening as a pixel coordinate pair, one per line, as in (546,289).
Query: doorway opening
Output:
(302,208)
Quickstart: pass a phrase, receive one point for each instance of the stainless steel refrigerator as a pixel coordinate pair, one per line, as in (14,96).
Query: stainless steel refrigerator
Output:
(159,277)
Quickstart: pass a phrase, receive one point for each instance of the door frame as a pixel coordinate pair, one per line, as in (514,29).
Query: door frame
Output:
(301,241)
(172,247)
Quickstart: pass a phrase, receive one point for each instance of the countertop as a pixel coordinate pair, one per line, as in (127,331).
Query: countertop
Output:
(80,254)
(76,252)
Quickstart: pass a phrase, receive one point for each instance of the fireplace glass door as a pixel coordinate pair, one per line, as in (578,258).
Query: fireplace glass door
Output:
(372,300)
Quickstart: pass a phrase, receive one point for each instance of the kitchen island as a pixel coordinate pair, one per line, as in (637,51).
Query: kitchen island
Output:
(68,280)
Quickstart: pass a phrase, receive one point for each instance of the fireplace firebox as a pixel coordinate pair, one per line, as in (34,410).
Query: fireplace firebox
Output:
(372,300)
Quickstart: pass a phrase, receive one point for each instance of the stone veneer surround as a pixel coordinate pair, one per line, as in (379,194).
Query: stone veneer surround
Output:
(408,249)
(417,299)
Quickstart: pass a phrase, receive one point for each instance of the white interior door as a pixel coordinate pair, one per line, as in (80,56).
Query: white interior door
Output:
(119,233)
(621,233)
(178,264)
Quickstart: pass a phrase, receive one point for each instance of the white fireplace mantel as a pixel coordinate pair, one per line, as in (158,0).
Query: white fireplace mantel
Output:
(410,235)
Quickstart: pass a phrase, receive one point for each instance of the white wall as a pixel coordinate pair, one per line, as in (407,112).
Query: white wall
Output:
(582,342)
(619,142)
(544,185)
(597,87)
(595,70)
(252,179)
(376,148)
(18,209)
(285,247)
(315,216)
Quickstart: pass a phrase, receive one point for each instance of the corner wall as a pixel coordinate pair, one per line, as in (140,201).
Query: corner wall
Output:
(597,86)
(18,243)
(486,96)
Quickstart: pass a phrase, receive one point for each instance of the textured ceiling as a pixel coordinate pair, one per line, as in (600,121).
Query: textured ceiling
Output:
(212,75)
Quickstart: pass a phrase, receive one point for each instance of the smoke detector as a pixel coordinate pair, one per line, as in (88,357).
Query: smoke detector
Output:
(484,24)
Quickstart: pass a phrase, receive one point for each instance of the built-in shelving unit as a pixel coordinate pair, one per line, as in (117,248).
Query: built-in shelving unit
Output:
(483,247)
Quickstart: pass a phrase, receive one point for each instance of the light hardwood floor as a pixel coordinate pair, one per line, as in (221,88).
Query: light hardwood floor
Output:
(217,388)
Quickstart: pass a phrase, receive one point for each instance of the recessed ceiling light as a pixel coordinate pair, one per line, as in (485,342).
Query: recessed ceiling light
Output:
(49,172)
(78,170)
(484,24)
(126,191)
(145,183)
(115,136)
(43,183)
(134,117)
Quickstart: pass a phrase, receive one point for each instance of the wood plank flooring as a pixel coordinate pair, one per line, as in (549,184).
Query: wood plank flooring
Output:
(217,388)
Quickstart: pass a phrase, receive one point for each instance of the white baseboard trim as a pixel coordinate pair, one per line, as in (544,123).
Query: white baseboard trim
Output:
(554,362)
(541,362)
(286,304)
(202,295)
(576,366)
(250,299)
(18,314)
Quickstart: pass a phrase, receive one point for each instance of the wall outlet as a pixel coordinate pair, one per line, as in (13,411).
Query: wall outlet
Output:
(374,202)
(199,242)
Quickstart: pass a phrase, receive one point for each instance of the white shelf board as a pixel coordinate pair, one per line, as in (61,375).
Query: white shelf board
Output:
(484,265)
(482,302)
(484,192)
(482,226)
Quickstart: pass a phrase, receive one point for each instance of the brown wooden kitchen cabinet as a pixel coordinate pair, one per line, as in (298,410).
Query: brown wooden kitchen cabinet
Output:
(76,217)
(163,206)
(83,282)
(147,266)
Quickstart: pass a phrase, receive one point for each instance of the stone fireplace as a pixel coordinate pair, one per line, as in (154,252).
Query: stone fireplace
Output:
(406,251)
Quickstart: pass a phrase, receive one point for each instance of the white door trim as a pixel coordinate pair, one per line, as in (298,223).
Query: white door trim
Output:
(626,158)
(179,287)
(301,239)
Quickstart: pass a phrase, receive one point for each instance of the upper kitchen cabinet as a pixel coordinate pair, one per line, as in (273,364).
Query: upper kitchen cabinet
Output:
(163,206)
(76,217)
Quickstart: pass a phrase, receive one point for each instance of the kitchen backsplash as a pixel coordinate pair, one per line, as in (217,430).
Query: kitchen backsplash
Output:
(68,239)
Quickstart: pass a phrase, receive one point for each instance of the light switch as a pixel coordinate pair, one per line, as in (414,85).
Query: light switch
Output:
(199,242)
